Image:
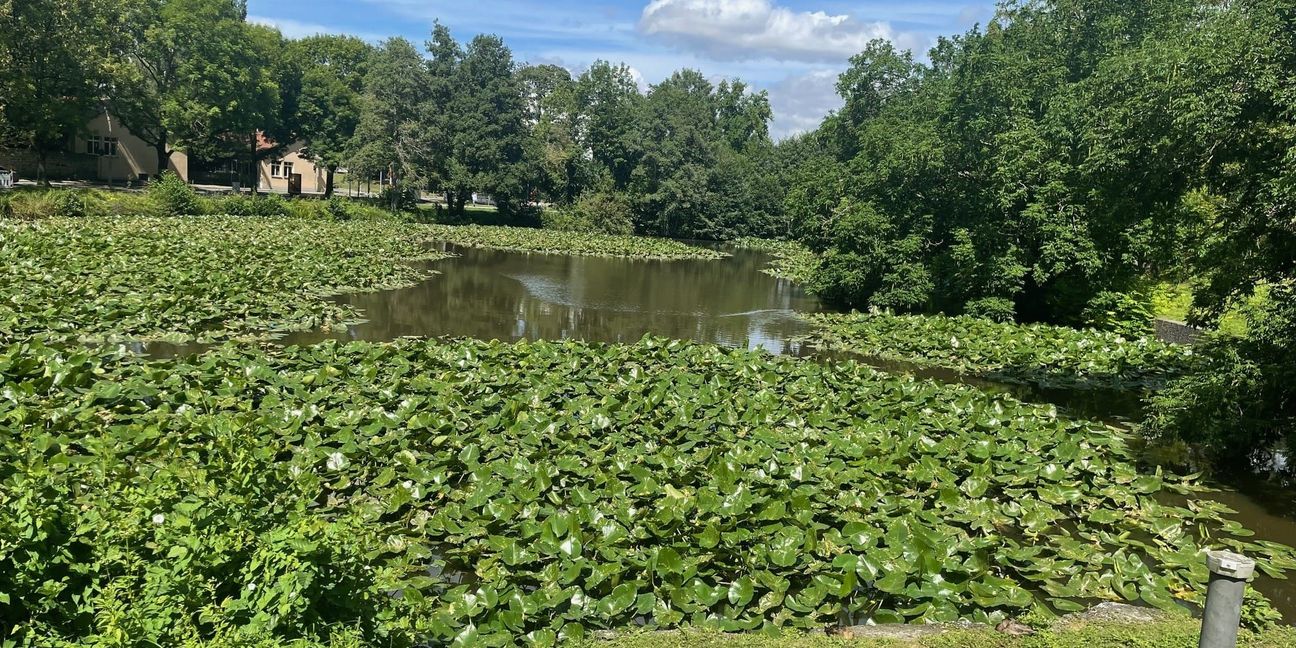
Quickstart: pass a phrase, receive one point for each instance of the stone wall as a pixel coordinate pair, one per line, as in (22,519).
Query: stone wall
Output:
(58,166)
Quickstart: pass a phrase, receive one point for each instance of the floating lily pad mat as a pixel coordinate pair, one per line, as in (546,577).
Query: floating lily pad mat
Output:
(433,490)
(547,241)
(1033,354)
(207,277)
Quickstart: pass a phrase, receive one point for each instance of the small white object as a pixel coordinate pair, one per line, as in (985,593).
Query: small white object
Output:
(336,461)
(158,518)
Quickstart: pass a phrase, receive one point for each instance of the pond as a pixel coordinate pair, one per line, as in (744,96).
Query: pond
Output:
(491,294)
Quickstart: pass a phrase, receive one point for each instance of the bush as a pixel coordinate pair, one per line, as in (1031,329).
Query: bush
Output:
(1126,313)
(599,213)
(267,206)
(1238,400)
(173,196)
(874,263)
(30,205)
(130,203)
(403,198)
(338,209)
(995,309)
(73,204)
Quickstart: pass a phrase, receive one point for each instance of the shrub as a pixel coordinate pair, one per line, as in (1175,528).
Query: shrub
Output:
(403,198)
(173,196)
(600,213)
(1126,313)
(32,205)
(307,208)
(995,309)
(72,204)
(130,203)
(337,209)
(267,205)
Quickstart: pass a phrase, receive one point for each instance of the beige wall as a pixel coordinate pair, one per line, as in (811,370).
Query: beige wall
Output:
(313,178)
(134,157)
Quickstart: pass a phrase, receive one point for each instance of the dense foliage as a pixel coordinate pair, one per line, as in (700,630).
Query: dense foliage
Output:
(567,242)
(485,492)
(1034,354)
(1049,165)
(1239,401)
(194,277)
(1057,154)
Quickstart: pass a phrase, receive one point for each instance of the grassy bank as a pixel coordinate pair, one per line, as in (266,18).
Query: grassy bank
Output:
(205,278)
(1175,633)
(434,491)
(1034,354)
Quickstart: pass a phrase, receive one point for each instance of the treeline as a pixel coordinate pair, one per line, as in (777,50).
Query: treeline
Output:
(688,158)
(1049,166)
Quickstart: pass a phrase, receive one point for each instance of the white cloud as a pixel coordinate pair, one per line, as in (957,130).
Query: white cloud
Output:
(754,29)
(801,101)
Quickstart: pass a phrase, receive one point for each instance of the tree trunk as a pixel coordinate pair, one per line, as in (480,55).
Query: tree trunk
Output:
(41,176)
(328,181)
(163,158)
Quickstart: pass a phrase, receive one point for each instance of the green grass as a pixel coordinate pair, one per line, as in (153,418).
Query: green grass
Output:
(1173,301)
(1176,633)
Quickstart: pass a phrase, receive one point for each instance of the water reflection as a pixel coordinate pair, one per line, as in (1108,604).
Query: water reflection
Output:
(492,294)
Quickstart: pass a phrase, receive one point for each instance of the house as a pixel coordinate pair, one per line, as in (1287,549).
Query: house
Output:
(105,151)
(288,172)
(120,156)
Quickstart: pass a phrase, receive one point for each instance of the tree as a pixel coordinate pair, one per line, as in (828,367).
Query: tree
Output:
(194,75)
(559,169)
(332,72)
(610,104)
(483,133)
(392,135)
(53,58)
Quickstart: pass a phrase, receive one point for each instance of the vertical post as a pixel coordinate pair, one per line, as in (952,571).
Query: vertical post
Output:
(1229,573)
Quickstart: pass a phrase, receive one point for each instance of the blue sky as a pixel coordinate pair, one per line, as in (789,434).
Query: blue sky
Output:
(792,48)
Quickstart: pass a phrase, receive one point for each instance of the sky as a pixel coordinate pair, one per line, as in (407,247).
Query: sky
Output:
(792,48)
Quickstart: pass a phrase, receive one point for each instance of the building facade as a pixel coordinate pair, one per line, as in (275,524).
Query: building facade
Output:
(290,173)
(120,156)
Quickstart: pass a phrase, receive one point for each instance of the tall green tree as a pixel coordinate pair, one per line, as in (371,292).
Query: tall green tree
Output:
(194,75)
(393,136)
(53,60)
(560,171)
(328,105)
(485,132)
(610,104)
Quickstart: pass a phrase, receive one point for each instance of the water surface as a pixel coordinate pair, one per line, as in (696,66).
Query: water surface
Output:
(492,294)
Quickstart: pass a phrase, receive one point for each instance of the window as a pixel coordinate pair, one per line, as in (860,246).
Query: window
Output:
(281,169)
(105,146)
